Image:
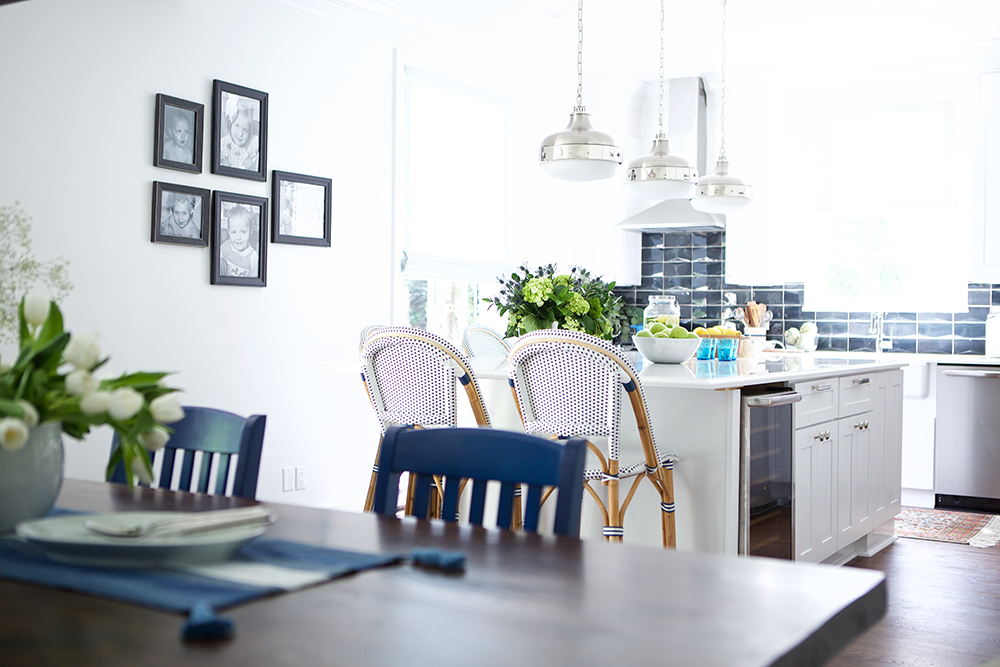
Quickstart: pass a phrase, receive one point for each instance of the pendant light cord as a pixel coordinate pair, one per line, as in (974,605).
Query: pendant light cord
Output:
(722,107)
(579,58)
(660,123)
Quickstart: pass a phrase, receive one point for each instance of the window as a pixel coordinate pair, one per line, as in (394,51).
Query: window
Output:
(451,219)
(888,223)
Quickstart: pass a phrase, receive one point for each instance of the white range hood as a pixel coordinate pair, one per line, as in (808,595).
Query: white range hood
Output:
(686,133)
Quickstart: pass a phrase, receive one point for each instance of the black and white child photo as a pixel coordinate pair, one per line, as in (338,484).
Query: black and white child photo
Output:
(179,134)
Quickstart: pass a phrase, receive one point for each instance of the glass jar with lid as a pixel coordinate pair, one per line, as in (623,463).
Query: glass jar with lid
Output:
(662,308)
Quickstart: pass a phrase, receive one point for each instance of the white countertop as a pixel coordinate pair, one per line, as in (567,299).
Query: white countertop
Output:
(764,369)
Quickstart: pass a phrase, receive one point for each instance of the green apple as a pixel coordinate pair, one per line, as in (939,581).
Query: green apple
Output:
(660,335)
(644,333)
(657,327)
(678,332)
(693,335)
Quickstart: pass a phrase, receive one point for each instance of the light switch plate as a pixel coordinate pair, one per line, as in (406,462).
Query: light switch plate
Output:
(287,478)
(300,478)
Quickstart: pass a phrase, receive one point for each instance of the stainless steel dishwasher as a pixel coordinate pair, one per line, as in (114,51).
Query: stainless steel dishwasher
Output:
(967,438)
(766,443)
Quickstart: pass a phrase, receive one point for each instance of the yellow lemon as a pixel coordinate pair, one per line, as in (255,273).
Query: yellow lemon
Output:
(701,331)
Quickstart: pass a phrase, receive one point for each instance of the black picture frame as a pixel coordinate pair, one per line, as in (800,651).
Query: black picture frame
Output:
(171,114)
(232,265)
(246,110)
(301,209)
(170,203)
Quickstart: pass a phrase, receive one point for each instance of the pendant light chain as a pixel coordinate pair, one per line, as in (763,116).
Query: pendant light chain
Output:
(579,56)
(722,109)
(660,125)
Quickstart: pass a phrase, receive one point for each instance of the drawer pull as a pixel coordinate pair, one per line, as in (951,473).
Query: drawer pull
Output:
(822,436)
(822,387)
(858,381)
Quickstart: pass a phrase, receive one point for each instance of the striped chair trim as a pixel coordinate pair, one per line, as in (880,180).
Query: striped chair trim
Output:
(667,507)
(614,531)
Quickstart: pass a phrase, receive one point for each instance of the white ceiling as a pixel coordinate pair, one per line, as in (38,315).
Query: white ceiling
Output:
(621,37)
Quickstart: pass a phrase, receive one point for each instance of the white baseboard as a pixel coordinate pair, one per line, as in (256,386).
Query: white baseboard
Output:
(917,498)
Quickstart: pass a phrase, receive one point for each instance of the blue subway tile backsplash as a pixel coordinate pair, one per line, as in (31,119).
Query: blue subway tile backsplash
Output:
(691,267)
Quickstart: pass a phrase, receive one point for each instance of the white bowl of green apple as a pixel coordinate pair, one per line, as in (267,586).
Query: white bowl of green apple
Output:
(665,344)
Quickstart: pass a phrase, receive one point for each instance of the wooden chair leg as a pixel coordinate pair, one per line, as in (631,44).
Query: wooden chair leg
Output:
(613,532)
(516,516)
(666,476)
(370,498)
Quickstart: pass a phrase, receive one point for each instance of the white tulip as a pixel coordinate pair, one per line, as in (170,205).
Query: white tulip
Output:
(95,403)
(82,351)
(139,471)
(81,383)
(125,403)
(30,415)
(154,439)
(167,409)
(13,434)
(36,308)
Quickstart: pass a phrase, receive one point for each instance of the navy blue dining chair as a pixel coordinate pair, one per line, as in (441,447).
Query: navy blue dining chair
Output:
(219,435)
(483,455)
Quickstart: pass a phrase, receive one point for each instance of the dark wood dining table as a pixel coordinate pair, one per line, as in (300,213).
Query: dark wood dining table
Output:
(523,599)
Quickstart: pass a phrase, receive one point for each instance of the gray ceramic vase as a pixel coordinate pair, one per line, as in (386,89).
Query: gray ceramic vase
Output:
(30,478)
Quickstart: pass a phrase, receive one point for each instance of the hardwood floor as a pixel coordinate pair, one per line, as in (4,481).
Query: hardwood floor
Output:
(944,607)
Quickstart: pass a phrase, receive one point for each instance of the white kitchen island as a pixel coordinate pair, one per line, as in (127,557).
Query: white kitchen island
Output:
(695,412)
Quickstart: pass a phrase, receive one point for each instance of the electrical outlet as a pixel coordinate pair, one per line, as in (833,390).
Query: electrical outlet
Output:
(300,478)
(287,478)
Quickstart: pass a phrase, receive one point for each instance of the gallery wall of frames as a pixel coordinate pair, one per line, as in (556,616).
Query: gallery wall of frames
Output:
(233,225)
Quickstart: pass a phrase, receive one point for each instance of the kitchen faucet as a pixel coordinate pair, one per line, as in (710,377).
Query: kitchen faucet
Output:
(877,327)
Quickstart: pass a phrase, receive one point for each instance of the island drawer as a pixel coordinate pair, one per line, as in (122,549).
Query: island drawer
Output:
(819,402)
(856,394)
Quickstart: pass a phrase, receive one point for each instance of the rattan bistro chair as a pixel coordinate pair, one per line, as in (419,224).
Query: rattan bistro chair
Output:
(480,341)
(411,376)
(483,455)
(368,331)
(571,384)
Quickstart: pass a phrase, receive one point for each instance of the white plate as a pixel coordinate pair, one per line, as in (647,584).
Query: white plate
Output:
(65,539)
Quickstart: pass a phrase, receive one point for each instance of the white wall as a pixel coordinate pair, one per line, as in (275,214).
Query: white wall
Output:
(78,84)
(77,89)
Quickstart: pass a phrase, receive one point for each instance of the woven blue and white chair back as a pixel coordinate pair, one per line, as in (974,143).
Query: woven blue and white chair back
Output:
(368,331)
(480,341)
(571,384)
(412,377)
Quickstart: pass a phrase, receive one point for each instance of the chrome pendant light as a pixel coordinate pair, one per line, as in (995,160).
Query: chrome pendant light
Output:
(660,175)
(719,192)
(579,153)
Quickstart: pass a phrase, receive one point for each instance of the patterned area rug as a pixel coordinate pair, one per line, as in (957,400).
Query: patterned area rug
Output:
(979,530)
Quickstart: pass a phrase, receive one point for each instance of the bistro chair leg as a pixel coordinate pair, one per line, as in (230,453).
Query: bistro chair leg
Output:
(370,498)
(614,531)
(666,475)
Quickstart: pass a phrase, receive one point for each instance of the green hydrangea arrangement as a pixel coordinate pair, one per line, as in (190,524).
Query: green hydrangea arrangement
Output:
(543,299)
